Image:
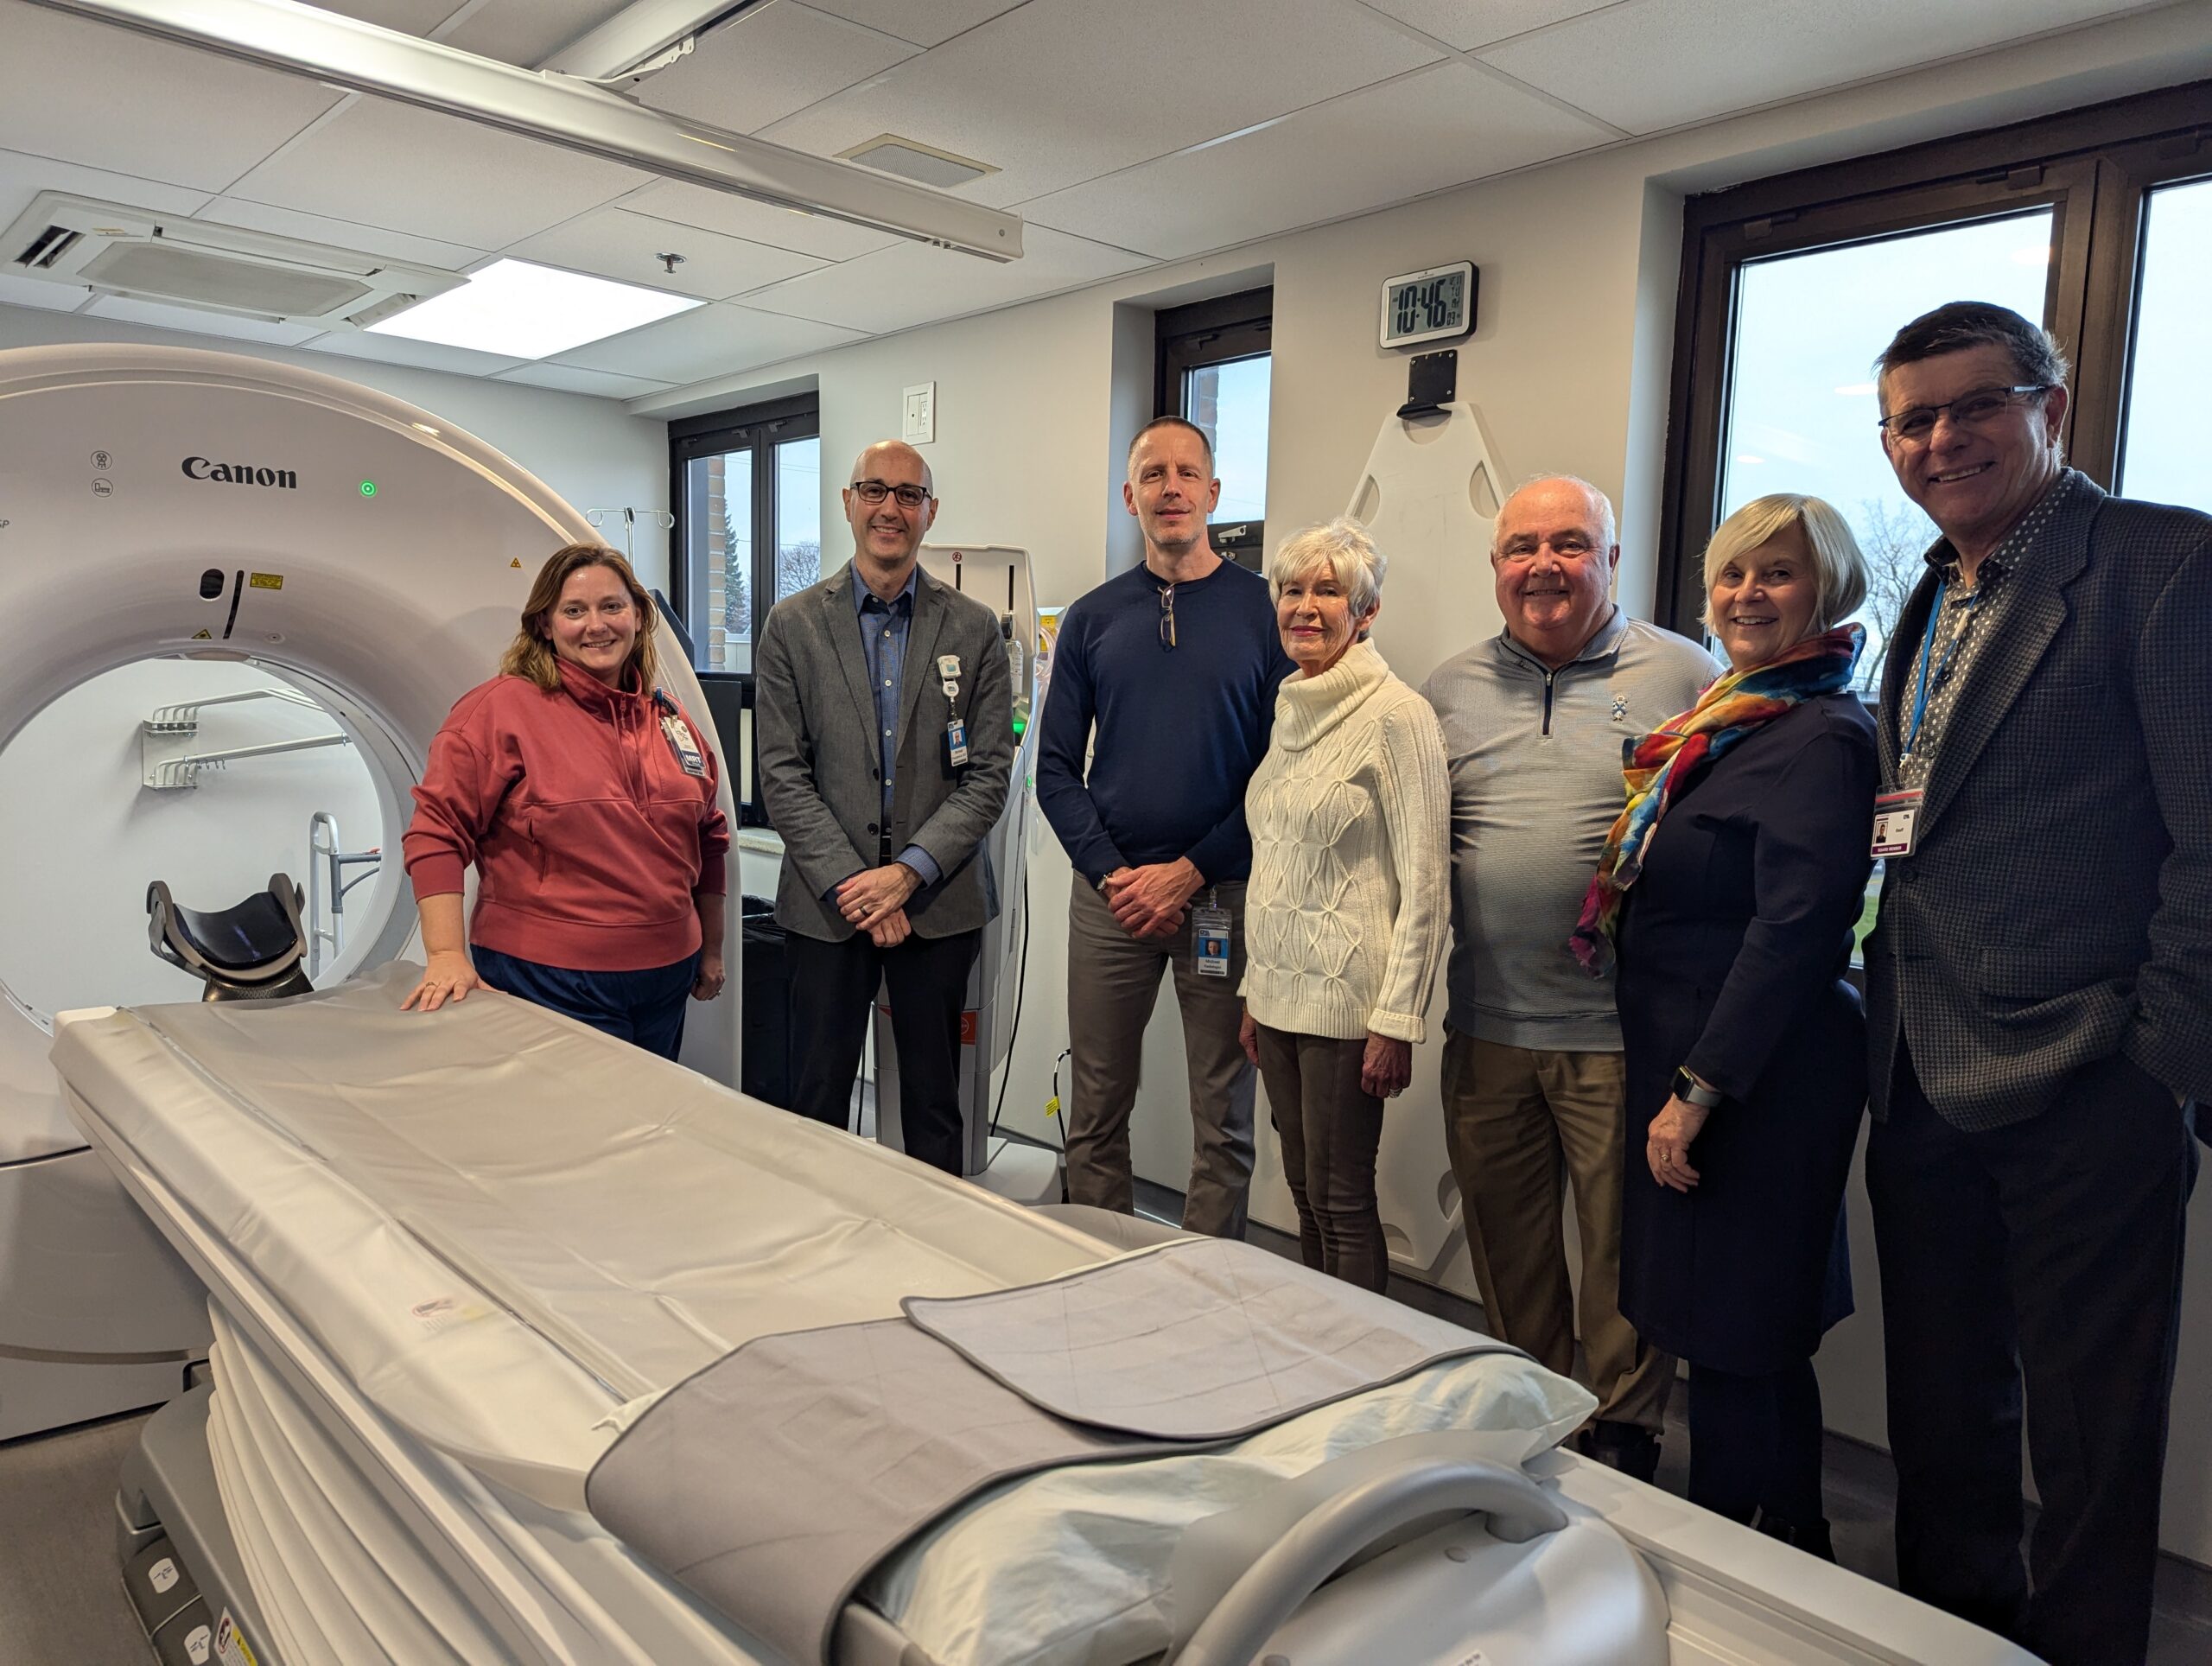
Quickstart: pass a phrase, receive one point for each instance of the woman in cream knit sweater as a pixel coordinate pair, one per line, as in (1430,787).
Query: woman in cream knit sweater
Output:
(1346,913)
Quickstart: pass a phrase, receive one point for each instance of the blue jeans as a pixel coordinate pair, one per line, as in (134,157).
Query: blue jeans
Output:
(645,1007)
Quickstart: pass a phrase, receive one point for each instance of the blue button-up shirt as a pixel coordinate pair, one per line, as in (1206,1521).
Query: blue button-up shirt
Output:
(883,627)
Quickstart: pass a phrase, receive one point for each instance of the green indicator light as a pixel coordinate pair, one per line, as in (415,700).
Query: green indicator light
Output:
(368,488)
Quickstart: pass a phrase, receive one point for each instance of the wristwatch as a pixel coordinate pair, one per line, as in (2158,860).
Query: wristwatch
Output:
(1689,1089)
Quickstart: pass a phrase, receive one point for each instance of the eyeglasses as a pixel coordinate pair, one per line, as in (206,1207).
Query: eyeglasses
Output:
(1567,546)
(1167,616)
(874,491)
(1968,411)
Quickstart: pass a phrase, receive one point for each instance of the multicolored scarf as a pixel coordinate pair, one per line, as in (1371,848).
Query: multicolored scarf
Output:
(1656,765)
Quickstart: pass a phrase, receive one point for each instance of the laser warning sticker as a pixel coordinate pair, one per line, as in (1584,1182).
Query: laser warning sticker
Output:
(265,581)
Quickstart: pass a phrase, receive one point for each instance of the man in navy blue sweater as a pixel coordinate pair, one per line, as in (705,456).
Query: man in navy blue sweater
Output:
(1174,665)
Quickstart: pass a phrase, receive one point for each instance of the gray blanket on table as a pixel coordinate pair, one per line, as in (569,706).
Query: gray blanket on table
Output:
(774,1482)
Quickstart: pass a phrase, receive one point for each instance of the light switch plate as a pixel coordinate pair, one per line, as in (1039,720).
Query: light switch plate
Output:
(918,426)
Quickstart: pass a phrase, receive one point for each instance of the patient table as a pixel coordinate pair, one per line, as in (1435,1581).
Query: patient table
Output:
(456,1258)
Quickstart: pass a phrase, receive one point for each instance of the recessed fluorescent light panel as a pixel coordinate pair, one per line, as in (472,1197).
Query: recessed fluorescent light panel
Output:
(518,310)
(911,159)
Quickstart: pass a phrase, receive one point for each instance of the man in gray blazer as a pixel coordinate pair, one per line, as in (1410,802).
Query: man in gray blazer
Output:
(885,716)
(2039,992)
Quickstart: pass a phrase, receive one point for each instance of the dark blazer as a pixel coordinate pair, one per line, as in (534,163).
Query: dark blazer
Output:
(1734,947)
(2058,905)
(821,761)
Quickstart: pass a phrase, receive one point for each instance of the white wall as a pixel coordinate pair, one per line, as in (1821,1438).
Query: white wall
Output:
(592,452)
(1569,368)
(81,837)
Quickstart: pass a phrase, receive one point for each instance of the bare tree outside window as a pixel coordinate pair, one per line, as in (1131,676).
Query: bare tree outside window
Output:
(1802,407)
(1894,537)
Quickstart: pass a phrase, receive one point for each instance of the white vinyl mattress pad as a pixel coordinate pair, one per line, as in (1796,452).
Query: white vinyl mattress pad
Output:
(509,1233)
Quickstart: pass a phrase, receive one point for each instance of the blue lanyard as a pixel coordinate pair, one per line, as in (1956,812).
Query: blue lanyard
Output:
(1943,666)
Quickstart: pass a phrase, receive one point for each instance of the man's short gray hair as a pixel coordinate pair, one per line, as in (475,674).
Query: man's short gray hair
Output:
(1608,532)
(1340,547)
(1839,567)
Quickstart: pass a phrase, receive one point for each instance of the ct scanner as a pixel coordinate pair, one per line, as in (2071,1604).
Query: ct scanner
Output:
(160,501)
(432,1312)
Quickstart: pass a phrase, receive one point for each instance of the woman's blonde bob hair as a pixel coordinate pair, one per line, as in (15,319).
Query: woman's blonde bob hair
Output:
(1838,569)
(530,654)
(1342,549)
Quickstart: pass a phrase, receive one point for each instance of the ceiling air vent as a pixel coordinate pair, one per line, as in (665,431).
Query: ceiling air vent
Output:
(113,250)
(910,159)
(47,247)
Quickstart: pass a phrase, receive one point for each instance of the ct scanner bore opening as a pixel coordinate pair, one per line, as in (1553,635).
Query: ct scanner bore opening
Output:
(74,870)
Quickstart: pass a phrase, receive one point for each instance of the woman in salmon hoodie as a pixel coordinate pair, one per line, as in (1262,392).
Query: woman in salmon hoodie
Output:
(585,797)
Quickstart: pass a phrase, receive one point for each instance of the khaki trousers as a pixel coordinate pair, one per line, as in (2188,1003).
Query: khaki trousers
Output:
(1519,1122)
(1113,981)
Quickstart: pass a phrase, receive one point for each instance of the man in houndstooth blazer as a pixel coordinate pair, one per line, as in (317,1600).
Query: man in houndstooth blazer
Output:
(2039,993)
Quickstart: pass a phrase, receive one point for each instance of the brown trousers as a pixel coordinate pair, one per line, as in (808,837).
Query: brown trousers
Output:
(1329,1131)
(1113,981)
(1519,1122)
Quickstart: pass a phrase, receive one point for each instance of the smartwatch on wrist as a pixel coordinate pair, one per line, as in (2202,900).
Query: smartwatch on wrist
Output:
(1690,1091)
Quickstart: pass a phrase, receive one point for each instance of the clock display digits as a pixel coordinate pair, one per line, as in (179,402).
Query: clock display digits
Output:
(1429,306)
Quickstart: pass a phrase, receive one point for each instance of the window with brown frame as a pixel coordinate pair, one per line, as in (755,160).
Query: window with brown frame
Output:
(2098,222)
(1215,368)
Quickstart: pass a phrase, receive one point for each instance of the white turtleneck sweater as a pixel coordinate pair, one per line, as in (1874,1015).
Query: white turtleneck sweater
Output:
(1347,910)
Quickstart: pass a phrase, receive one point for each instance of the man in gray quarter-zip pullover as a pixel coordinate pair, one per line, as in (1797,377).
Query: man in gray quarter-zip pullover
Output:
(1533,722)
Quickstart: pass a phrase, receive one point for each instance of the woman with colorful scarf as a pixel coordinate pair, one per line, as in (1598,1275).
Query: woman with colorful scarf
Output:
(1728,890)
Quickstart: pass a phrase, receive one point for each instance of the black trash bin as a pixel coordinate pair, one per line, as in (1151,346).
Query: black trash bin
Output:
(763,1062)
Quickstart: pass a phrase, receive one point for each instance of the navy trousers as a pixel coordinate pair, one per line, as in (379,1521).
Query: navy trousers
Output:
(645,1007)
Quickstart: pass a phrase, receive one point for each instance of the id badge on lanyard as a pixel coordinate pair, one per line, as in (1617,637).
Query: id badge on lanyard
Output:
(1894,815)
(683,742)
(956,732)
(1210,938)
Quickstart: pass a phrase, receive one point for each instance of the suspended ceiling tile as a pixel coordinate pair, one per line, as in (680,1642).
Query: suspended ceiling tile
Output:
(342,234)
(618,243)
(768,64)
(93,93)
(914,283)
(398,350)
(756,222)
(527,32)
(1466,23)
(1061,91)
(47,297)
(717,340)
(23,178)
(197,322)
(434,175)
(924,22)
(1439,127)
(1654,64)
(569,379)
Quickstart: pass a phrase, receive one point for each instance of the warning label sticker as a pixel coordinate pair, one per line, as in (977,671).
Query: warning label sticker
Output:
(231,1646)
(265,581)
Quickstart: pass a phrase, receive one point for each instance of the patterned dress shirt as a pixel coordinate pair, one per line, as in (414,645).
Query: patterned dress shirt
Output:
(1944,659)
